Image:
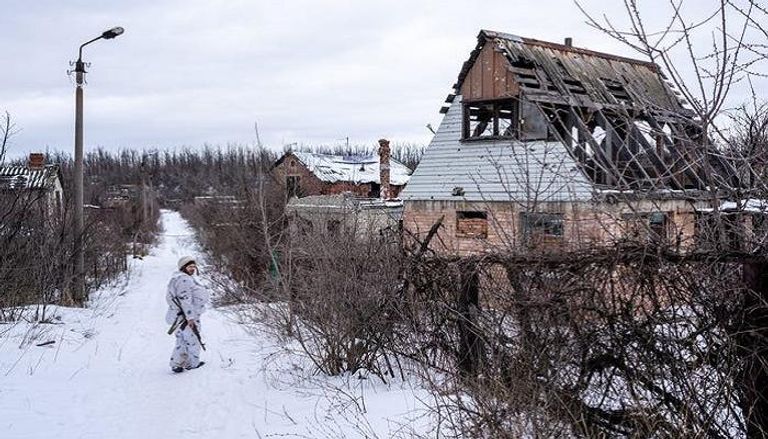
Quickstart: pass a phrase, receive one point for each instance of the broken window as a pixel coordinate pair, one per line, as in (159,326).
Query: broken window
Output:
(657,222)
(375,191)
(292,185)
(542,227)
(471,224)
(490,119)
(533,124)
(645,227)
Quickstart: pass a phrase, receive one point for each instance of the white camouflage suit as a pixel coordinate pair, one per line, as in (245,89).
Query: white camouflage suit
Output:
(193,298)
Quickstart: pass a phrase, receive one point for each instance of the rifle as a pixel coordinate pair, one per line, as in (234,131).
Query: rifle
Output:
(181,318)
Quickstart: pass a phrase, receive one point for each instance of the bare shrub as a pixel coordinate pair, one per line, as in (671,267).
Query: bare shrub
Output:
(344,294)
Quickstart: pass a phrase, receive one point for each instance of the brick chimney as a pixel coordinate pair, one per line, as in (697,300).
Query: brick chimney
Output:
(384,168)
(569,41)
(36,161)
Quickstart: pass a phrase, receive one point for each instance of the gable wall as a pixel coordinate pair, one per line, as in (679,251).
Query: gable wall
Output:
(489,77)
(308,182)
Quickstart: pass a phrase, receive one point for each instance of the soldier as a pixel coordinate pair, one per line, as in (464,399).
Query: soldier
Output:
(186,302)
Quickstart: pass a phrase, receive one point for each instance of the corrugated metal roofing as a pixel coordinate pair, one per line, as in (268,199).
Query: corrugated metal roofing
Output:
(355,169)
(494,170)
(21,177)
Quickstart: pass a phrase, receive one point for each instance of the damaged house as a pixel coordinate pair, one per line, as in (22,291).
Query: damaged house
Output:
(37,184)
(307,173)
(328,192)
(550,146)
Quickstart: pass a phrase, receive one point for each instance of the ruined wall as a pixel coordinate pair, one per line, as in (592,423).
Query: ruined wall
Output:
(584,225)
(292,167)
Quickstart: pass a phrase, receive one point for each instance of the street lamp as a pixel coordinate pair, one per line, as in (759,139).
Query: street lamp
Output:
(79,228)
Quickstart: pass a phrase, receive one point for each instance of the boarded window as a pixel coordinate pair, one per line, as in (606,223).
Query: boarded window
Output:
(472,224)
(542,227)
(490,119)
(292,185)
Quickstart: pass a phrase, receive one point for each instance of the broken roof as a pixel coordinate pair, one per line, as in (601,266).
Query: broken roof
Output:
(357,169)
(554,72)
(22,177)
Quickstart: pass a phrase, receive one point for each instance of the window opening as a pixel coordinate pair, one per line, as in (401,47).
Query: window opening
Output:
(491,119)
(533,124)
(545,227)
(472,224)
(375,191)
(292,184)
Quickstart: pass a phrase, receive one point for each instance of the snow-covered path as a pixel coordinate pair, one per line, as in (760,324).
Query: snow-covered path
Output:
(107,375)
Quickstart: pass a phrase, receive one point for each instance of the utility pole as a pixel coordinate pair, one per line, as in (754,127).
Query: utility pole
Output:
(79,295)
(144,197)
(79,287)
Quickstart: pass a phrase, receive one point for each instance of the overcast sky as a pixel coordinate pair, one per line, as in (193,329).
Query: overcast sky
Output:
(191,72)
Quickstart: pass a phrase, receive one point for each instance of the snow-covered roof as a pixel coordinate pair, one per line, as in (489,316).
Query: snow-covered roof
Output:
(356,169)
(22,177)
(747,205)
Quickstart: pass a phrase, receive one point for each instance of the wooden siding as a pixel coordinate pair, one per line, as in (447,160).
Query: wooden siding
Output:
(489,77)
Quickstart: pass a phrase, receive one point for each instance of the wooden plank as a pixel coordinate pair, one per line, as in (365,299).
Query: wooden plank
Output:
(622,150)
(486,69)
(600,155)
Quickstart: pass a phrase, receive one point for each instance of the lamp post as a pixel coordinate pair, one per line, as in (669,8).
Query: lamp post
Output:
(79,227)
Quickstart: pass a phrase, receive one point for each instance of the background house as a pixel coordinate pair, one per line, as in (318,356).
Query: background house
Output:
(307,173)
(36,182)
(328,193)
(330,214)
(546,145)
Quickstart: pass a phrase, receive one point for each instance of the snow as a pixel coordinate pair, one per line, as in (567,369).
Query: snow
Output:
(107,375)
(646,130)
(598,134)
(356,169)
(751,205)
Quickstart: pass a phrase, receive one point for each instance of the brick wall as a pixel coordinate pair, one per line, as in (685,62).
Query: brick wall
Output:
(309,184)
(584,224)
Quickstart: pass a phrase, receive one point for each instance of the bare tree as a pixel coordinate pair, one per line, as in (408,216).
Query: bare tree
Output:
(7,130)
